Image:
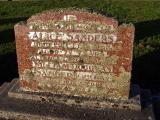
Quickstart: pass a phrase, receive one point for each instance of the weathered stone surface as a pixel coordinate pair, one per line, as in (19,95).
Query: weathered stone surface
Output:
(133,103)
(75,53)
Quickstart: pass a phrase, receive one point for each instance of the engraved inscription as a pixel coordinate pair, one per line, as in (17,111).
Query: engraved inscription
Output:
(74,58)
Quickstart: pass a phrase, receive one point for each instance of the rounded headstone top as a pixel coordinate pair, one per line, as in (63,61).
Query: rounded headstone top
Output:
(76,15)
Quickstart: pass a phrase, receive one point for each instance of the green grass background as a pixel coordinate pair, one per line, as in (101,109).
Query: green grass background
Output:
(145,15)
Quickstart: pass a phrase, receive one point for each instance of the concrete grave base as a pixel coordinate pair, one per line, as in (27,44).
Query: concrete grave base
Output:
(15,104)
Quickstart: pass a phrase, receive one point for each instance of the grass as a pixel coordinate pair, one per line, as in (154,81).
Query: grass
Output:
(144,14)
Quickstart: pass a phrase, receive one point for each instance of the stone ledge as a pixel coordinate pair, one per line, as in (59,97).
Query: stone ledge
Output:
(133,103)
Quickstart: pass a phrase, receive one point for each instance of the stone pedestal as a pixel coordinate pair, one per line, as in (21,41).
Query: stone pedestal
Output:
(15,104)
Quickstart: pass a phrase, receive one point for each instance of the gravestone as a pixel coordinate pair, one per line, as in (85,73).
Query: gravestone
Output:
(73,64)
(75,53)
